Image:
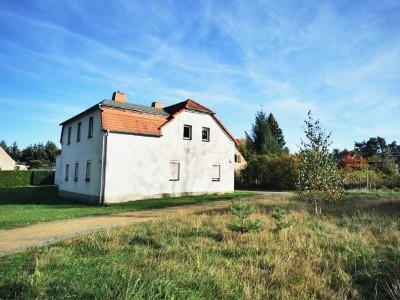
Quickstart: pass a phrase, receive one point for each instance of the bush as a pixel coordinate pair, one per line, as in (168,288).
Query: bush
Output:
(15,178)
(269,171)
(42,177)
(26,178)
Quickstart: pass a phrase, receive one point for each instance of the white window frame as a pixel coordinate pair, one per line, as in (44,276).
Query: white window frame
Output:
(190,132)
(76,171)
(179,170)
(88,170)
(219,172)
(208,134)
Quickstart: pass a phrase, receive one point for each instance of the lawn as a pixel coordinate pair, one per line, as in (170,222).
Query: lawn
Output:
(351,252)
(29,205)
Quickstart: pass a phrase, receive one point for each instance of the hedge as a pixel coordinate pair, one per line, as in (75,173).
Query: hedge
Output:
(26,178)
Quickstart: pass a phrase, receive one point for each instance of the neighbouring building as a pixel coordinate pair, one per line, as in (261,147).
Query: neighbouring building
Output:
(240,162)
(6,162)
(116,151)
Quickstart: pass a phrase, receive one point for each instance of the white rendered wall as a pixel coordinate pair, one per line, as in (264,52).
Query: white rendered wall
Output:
(138,166)
(82,151)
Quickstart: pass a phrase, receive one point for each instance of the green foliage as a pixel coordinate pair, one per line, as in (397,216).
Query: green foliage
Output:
(278,214)
(319,179)
(276,130)
(42,177)
(26,178)
(15,178)
(242,223)
(262,141)
(278,172)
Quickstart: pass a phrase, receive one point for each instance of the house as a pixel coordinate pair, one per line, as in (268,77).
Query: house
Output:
(240,162)
(116,151)
(6,162)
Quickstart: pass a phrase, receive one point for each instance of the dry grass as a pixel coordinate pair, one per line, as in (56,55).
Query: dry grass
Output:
(349,253)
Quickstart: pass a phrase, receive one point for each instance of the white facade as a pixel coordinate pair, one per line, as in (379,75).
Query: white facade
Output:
(125,167)
(138,167)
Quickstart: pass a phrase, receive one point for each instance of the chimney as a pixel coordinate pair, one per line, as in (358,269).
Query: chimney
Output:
(157,105)
(119,96)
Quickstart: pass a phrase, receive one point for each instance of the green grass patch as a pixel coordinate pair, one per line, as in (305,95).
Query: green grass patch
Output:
(351,252)
(23,206)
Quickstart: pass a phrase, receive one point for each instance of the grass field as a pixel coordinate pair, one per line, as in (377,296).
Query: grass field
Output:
(352,252)
(28,205)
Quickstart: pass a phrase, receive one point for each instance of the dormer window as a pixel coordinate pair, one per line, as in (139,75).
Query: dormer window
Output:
(187,132)
(205,134)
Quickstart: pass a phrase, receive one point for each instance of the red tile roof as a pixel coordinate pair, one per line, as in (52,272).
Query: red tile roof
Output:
(131,122)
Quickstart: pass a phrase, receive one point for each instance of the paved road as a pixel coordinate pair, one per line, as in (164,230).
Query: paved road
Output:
(19,239)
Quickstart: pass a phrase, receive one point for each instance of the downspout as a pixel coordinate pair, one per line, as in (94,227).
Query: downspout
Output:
(103,168)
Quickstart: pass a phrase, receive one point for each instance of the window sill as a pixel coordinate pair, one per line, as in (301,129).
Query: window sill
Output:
(69,143)
(205,141)
(89,137)
(87,179)
(216,180)
(75,179)
(187,139)
(66,179)
(174,180)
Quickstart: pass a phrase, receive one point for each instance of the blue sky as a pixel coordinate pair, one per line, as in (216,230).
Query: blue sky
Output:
(341,59)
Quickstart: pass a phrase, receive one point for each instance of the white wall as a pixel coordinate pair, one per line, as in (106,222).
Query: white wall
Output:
(6,162)
(138,166)
(57,176)
(82,151)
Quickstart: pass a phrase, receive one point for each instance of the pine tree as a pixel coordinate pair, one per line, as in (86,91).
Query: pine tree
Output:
(262,141)
(276,130)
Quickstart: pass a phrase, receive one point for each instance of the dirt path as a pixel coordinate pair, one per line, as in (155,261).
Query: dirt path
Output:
(19,239)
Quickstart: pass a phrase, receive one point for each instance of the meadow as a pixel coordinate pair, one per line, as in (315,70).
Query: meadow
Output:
(351,252)
(24,206)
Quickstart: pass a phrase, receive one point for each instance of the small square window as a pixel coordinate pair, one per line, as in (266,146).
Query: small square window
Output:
(187,132)
(78,132)
(66,171)
(88,167)
(76,171)
(90,128)
(69,134)
(205,134)
(216,172)
(174,169)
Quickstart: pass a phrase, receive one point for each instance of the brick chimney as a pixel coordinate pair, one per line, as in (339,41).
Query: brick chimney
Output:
(157,105)
(119,96)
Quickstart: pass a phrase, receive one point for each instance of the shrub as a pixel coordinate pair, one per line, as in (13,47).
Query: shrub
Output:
(26,178)
(242,212)
(42,177)
(15,178)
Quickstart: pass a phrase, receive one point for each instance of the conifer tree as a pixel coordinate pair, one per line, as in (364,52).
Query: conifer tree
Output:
(262,141)
(276,130)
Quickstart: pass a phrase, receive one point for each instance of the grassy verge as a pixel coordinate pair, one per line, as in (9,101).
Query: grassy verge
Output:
(349,253)
(28,205)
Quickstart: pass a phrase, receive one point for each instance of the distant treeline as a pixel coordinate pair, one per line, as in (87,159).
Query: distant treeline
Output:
(36,156)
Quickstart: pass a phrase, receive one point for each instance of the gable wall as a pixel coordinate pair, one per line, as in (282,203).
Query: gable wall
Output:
(139,166)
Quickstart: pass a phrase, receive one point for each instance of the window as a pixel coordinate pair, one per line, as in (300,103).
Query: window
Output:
(76,171)
(88,167)
(66,171)
(69,134)
(205,134)
(174,170)
(62,135)
(216,172)
(78,133)
(90,131)
(187,132)
(238,158)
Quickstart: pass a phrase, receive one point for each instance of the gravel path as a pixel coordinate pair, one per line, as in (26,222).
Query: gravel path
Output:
(19,239)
